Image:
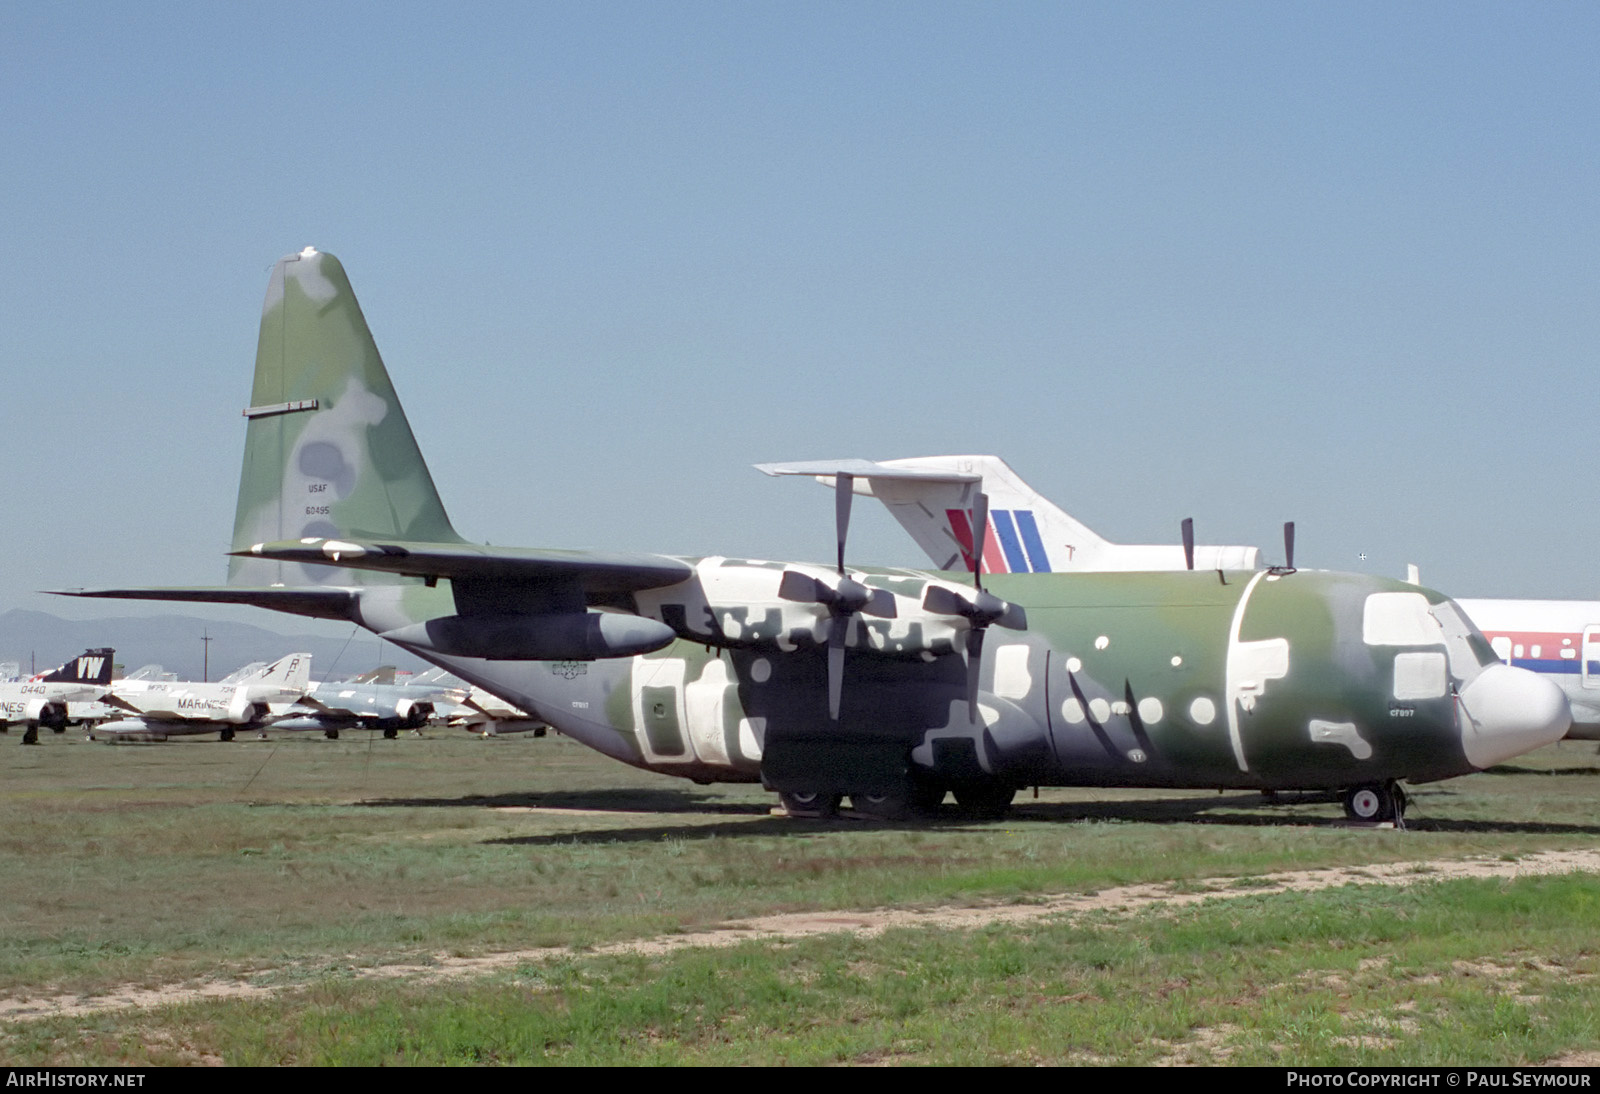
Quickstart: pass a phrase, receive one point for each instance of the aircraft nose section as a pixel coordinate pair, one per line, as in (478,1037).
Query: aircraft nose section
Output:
(1507,711)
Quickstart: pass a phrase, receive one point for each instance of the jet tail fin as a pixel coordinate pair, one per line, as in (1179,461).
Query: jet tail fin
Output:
(89,667)
(383,676)
(292,671)
(328,449)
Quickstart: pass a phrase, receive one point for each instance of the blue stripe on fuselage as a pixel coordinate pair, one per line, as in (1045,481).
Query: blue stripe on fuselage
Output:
(1554,667)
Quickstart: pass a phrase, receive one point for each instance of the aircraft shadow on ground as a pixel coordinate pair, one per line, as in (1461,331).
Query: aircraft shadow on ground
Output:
(604,801)
(1510,769)
(1257,813)
(1239,810)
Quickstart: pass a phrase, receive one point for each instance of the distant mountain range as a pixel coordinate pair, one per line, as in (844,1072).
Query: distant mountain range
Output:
(44,641)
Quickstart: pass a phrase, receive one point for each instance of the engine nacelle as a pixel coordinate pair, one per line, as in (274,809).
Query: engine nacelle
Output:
(575,636)
(45,712)
(413,713)
(243,710)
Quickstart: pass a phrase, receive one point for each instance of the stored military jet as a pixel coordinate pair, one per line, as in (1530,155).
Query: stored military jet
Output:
(476,710)
(892,686)
(170,708)
(42,700)
(371,701)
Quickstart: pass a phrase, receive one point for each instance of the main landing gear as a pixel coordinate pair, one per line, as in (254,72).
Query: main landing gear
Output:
(1376,802)
(919,798)
(810,803)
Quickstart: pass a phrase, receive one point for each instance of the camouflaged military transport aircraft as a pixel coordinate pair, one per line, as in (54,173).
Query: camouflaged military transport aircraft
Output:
(891,686)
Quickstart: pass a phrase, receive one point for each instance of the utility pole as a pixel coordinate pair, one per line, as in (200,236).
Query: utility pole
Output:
(205,637)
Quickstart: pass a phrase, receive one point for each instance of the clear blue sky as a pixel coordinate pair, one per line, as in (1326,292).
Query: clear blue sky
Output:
(1242,262)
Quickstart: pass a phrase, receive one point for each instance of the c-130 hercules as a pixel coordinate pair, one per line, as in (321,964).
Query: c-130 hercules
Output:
(891,686)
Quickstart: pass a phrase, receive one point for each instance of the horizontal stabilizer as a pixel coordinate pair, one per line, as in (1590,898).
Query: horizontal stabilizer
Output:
(868,470)
(597,572)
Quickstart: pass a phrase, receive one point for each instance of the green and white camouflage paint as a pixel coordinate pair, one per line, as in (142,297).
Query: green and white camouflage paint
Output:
(717,669)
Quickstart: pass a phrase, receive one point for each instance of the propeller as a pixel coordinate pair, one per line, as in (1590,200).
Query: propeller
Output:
(845,598)
(1188,542)
(980,610)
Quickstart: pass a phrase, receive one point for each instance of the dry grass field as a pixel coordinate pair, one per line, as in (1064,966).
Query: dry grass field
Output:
(449,899)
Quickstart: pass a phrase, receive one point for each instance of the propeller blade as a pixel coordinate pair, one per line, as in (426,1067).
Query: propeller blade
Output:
(1288,544)
(801,588)
(836,664)
(843,492)
(1188,542)
(881,605)
(942,601)
(980,535)
(1014,618)
(974,666)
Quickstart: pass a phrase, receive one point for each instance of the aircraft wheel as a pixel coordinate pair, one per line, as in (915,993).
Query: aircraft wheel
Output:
(1374,802)
(391,733)
(812,803)
(30,736)
(987,800)
(894,805)
(331,734)
(226,734)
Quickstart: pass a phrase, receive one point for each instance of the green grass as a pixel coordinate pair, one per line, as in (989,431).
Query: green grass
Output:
(298,860)
(1345,977)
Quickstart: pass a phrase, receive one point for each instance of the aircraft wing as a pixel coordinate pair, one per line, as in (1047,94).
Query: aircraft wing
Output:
(320,602)
(112,699)
(595,571)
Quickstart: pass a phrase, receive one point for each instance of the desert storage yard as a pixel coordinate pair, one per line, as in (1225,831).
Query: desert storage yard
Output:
(449,899)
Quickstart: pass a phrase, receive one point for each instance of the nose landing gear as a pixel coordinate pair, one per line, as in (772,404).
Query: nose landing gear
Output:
(1376,802)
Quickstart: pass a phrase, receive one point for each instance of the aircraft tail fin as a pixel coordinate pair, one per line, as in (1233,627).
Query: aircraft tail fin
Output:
(328,449)
(383,676)
(89,667)
(932,498)
(291,671)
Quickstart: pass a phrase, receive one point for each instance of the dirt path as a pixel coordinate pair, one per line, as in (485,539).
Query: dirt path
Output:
(864,924)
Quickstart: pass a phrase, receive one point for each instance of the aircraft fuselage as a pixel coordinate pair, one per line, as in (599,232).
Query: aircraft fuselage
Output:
(1243,679)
